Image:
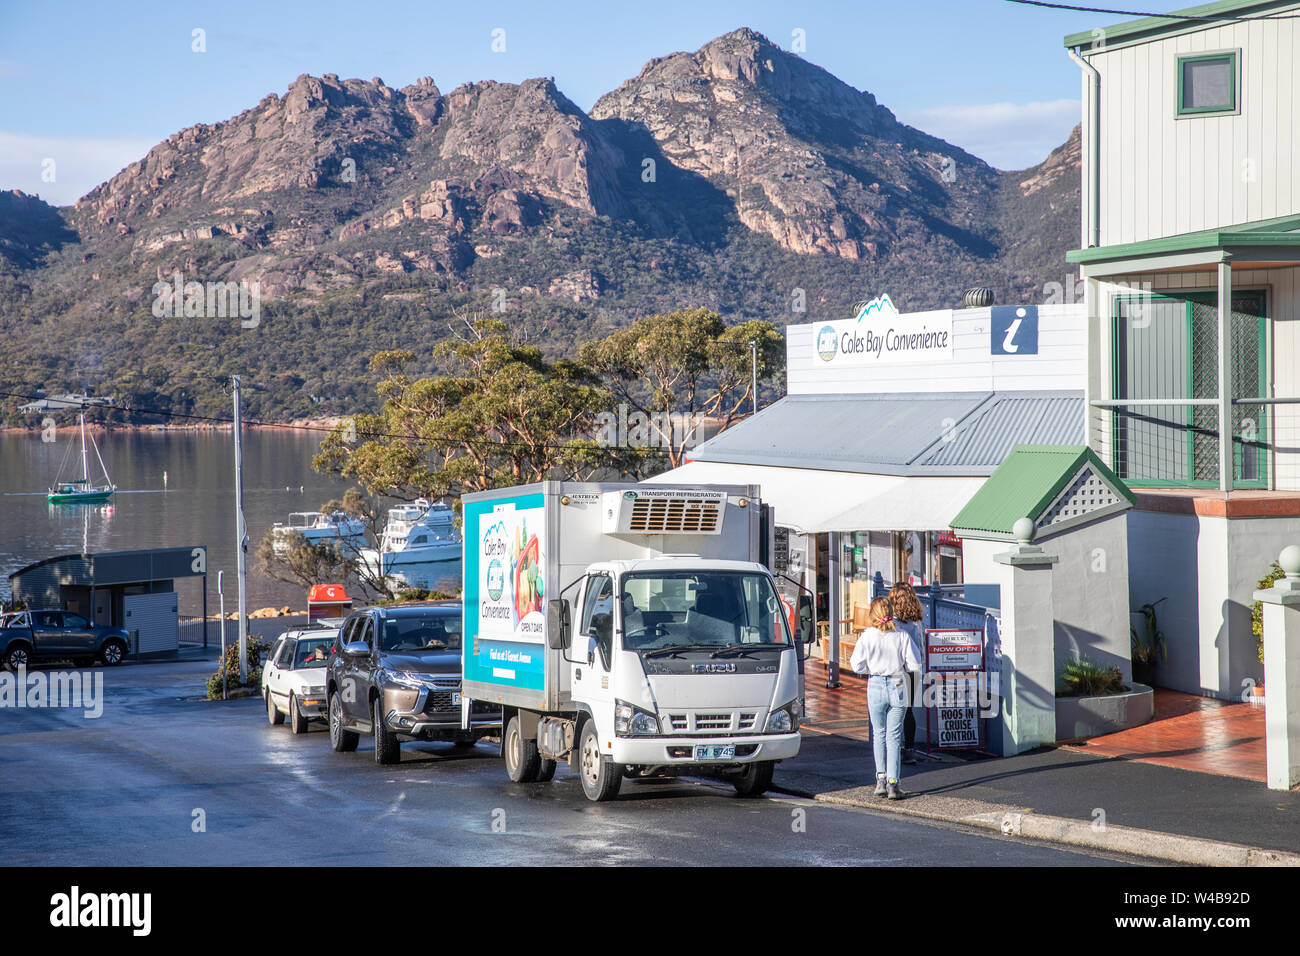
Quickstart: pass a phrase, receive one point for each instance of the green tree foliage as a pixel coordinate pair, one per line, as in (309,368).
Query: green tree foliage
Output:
(679,368)
(503,415)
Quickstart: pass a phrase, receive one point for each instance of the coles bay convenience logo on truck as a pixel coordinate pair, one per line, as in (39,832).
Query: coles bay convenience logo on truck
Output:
(512,587)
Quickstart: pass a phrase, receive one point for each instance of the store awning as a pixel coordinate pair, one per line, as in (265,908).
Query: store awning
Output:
(809,500)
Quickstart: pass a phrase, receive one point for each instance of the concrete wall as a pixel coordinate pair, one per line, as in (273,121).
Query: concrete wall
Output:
(1207,567)
(1089,589)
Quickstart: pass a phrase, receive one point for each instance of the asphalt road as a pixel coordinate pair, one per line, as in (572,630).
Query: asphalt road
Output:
(164,778)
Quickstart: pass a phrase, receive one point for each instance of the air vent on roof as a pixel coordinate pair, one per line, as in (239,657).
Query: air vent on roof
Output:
(663,511)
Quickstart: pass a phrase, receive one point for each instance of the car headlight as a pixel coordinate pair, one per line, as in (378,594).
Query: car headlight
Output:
(407,679)
(318,691)
(630,721)
(783,720)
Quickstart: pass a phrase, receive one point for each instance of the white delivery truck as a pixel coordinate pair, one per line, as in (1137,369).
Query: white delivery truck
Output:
(632,630)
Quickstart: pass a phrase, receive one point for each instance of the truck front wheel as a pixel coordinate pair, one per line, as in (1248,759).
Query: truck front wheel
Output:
(754,780)
(522,759)
(600,776)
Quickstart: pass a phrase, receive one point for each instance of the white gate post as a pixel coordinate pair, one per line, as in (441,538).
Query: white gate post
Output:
(1028,644)
(1282,673)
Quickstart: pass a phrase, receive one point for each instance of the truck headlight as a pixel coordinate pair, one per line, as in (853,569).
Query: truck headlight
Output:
(631,721)
(783,720)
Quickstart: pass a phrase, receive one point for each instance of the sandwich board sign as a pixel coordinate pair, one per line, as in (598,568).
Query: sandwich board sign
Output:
(955,658)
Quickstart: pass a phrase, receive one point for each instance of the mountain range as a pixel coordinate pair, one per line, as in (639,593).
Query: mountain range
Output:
(739,177)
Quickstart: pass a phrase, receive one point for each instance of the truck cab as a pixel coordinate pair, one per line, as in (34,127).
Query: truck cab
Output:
(685,665)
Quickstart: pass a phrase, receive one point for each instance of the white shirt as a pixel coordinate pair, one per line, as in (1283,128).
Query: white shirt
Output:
(884,652)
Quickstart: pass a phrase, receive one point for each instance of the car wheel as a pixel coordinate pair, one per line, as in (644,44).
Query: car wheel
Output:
(17,656)
(755,779)
(522,761)
(464,744)
(112,653)
(343,741)
(273,715)
(297,722)
(387,749)
(600,776)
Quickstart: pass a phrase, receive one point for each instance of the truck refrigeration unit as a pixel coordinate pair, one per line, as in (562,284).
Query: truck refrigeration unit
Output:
(631,630)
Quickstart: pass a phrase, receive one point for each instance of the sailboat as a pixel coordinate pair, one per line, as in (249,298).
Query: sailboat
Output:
(82,490)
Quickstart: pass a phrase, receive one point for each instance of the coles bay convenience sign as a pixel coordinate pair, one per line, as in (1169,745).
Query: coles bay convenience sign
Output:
(879,333)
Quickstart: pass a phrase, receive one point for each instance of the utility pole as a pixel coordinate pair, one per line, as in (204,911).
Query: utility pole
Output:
(753,374)
(241,539)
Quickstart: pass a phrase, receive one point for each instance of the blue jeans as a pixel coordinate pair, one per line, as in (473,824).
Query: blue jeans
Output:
(887,703)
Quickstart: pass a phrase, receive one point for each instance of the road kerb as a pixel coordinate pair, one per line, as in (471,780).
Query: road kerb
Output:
(1024,822)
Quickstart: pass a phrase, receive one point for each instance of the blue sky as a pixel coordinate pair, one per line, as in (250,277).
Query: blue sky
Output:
(93,85)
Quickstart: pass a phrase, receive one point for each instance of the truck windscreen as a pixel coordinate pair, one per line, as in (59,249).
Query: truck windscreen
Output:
(703,609)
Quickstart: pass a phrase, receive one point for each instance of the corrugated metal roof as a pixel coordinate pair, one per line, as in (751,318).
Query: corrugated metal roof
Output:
(911,433)
(1010,419)
(1026,484)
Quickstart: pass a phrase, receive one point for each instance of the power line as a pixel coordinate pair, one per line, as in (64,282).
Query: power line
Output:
(1211,18)
(287,426)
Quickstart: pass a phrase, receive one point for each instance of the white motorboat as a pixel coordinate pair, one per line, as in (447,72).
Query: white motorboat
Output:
(319,528)
(416,533)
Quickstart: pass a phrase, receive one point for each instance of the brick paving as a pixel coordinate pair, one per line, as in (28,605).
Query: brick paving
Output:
(1192,733)
(1187,732)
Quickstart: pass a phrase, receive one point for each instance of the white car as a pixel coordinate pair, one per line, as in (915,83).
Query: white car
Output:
(293,678)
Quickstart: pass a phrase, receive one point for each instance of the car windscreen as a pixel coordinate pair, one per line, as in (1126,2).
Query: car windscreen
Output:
(312,652)
(412,633)
(703,609)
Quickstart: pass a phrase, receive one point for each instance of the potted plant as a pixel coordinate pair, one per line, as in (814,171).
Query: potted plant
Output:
(1148,645)
(1275,572)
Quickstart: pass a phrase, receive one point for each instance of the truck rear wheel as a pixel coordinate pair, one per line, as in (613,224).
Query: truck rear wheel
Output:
(754,780)
(600,776)
(522,760)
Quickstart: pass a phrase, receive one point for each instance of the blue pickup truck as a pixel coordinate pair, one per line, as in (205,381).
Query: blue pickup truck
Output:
(29,637)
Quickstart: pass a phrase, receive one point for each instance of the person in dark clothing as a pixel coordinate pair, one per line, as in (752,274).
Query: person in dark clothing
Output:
(906,608)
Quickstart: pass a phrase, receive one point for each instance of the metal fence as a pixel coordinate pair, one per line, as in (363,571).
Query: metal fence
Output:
(1162,425)
(941,604)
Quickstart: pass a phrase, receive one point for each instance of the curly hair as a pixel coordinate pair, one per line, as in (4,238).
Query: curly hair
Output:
(881,615)
(906,605)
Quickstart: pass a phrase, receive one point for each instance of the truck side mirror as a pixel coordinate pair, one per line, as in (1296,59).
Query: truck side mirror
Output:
(557,624)
(807,629)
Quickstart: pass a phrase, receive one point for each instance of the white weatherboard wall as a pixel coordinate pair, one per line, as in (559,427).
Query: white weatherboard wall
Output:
(1060,363)
(1089,589)
(1197,172)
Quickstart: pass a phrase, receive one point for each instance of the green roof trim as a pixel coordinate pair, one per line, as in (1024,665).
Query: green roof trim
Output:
(1148,27)
(1027,483)
(1283,231)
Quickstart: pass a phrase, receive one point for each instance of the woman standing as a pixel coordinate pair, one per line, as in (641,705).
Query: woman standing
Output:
(886,653)
(906,608)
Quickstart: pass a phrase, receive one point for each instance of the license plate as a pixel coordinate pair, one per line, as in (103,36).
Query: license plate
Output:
(715,752)
(455,700)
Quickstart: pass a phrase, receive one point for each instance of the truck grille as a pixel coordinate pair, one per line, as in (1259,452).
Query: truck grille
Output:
(658,515)
(712,721)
